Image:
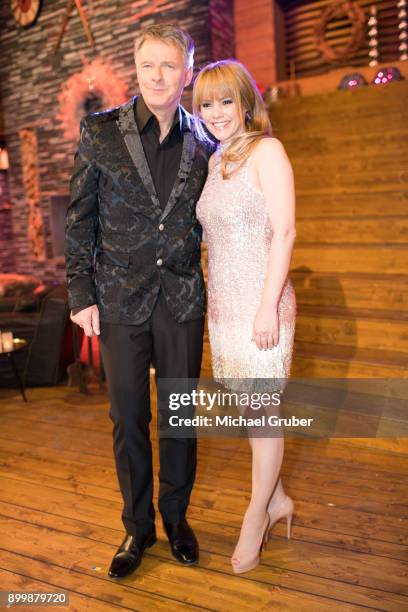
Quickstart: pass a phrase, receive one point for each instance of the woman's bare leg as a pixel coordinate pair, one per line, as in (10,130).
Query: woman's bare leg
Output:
(267,455)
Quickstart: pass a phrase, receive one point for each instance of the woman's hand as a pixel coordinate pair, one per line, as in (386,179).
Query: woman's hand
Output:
(265,332)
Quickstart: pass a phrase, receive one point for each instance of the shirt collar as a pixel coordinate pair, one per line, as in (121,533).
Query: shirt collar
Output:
(143,115)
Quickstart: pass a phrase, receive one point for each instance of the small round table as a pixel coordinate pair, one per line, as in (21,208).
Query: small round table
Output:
(18,344)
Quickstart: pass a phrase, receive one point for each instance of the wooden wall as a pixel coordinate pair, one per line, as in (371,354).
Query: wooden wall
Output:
(31,77)
(272,35)
(350,264)
(300,17)
(255,32)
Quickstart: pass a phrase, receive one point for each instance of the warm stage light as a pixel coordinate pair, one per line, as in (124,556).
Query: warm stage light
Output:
(4,160)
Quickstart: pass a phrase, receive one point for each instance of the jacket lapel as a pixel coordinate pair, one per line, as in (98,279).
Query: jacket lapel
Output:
(129,130)
(187,156)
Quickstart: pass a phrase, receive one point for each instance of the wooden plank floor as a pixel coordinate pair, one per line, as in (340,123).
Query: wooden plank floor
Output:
(60,519)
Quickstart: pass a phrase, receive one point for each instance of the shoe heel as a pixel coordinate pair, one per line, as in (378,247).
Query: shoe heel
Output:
(286,511)
(288,524)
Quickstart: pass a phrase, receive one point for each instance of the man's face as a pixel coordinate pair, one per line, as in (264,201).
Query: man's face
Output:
(162,74)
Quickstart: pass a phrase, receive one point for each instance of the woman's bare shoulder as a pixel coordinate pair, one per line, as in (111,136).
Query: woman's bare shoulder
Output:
(269,145)
(270,153)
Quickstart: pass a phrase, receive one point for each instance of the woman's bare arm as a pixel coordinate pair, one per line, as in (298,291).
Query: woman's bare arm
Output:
(275,175)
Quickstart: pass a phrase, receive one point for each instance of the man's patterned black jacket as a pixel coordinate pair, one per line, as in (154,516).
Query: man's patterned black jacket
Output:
(120,245)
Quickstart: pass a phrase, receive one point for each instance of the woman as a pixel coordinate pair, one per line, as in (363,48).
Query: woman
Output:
(247,210)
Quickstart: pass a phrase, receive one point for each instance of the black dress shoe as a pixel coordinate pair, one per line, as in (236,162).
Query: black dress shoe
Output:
(129,554)
(183,543)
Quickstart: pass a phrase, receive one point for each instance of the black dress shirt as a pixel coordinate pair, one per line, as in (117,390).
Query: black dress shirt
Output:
(163,158)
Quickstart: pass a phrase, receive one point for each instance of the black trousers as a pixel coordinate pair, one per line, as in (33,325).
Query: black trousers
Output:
(175,349)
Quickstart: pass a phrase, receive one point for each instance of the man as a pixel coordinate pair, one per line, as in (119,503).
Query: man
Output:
(135,278)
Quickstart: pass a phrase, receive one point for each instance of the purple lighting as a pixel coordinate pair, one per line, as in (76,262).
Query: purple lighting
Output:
(351,81)
(386,75)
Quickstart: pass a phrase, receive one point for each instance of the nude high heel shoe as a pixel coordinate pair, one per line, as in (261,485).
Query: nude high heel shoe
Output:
(241,565)
(283,510)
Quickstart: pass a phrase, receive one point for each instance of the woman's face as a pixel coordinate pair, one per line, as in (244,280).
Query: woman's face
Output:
(221,118)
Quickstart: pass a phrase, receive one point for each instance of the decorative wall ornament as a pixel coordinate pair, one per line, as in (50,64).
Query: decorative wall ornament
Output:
(25,12)
(31,182)
(148,8)
(94,89)
(84,19)
(373,37)
(333,11)
(403,29)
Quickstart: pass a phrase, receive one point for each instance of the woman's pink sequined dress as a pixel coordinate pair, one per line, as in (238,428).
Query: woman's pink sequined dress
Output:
(238,233)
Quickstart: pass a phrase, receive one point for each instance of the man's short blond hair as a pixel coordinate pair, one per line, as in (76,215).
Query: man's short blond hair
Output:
(169,34)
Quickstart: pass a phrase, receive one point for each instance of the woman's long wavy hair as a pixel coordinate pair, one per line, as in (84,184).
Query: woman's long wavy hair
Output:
(230,79)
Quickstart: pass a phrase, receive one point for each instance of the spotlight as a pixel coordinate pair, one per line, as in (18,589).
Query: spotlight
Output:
(386,75)
(351,81)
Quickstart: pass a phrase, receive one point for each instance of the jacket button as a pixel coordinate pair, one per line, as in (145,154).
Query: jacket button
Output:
(159,262)
(161,227)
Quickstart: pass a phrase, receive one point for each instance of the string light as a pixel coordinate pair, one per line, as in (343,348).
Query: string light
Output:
(403,30)
(373,37)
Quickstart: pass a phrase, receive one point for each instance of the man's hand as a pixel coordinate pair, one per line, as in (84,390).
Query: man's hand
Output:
(88,319)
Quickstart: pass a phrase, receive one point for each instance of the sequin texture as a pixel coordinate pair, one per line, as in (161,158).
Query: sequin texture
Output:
(238,233)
